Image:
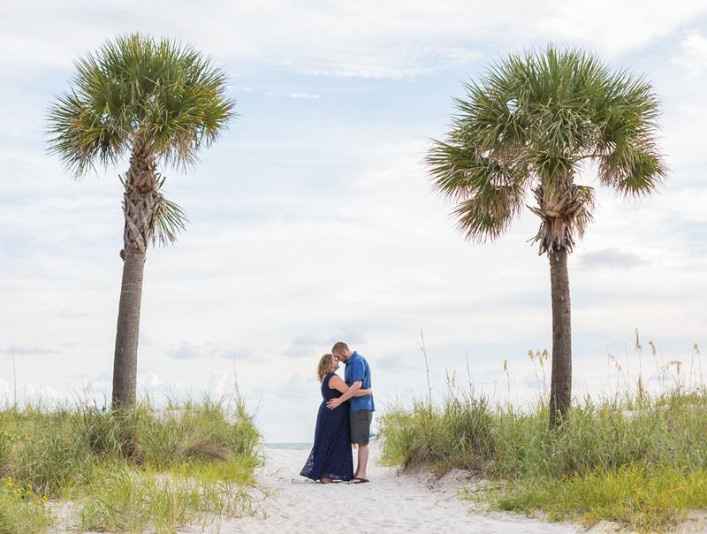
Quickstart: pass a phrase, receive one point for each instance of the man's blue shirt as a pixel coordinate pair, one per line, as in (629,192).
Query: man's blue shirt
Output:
(357,369)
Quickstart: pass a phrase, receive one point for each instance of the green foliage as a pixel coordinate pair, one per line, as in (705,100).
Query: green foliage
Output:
(194,432)
(628,445)
(646,499)
(238,469)
(4,452)
(531,123)
(458,436)
(54,450)
(209,450)
(137,91)
(507,443)
(125,501)
(21,510)
(169,220)
(49,450)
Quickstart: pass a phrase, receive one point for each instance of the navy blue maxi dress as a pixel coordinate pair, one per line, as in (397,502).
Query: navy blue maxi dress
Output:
(331,455)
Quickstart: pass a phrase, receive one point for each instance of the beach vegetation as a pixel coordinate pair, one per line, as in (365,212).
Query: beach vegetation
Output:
(638,459)
(191,461)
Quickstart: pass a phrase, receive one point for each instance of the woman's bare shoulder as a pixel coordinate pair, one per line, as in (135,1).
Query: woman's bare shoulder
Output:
(334,379)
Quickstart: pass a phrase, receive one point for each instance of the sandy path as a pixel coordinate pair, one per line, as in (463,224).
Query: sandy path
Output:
(390,504)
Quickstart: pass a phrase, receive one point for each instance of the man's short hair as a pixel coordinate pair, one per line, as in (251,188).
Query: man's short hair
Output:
(339,347)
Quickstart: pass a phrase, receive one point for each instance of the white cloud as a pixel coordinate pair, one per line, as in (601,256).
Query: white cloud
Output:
(693,53)
(305,96)
(186,351)
(190,351)
(617,27)
(366,39)
(610,258)
(31,350)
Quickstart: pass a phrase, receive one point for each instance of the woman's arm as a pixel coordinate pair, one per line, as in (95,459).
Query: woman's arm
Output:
(335,382)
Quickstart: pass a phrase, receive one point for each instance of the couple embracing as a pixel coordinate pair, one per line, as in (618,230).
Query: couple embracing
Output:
(344,418)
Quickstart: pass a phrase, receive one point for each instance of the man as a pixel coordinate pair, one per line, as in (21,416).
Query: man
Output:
(357,376)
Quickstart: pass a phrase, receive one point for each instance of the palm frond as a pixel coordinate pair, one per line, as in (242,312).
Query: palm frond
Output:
(167,221)
(83,136)
(488,214)
(629,160)
(489,194)
(136,89)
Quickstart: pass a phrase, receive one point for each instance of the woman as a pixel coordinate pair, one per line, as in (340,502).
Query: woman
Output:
(331,458)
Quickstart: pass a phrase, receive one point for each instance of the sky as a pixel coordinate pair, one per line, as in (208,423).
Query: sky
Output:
(313,218)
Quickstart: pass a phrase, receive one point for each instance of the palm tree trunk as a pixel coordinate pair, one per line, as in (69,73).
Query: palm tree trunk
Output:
(561,385)
(139,201)
(128,332)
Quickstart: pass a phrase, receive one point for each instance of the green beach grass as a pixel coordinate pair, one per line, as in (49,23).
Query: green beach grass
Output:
(21,509)
(637,460)
(150,469)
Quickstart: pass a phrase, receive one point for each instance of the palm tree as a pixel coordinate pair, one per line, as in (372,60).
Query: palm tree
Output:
(530,126)
(157,102)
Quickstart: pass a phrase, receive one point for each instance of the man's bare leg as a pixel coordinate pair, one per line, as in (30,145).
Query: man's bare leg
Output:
(362,467)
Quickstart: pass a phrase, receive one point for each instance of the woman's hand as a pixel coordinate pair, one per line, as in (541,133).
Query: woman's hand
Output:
(333,404)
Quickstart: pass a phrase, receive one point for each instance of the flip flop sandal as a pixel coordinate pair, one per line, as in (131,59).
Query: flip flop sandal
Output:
(360,480)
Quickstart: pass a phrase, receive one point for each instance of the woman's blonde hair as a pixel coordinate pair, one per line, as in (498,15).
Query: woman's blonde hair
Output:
(324,366)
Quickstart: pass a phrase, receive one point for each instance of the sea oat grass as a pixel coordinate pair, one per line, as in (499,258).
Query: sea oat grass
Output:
(627,445)
(646,499)
(151,468)
(128,501)
(237,469)
(48,450)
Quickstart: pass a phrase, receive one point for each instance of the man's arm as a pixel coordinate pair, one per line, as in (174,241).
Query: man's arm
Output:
(339,385)
(357,375)
(351,392)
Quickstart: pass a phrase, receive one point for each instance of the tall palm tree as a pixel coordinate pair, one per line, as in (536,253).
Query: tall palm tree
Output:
(156,102)
(529,126)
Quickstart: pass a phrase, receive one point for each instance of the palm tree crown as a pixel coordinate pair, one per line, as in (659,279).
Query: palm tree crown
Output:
(529,126)
(139,90)
(155,100)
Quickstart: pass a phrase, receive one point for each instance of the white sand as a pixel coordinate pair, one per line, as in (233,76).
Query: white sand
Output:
(390,504)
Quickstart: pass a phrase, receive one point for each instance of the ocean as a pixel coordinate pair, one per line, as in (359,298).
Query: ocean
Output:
(289,446)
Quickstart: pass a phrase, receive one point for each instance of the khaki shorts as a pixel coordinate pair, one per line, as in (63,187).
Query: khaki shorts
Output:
(361,426)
